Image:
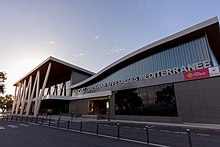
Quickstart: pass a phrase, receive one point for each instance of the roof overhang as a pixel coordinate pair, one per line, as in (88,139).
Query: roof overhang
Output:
(59,70)
(210,28)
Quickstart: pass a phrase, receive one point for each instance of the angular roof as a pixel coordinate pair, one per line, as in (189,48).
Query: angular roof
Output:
(210,28)
(59,69)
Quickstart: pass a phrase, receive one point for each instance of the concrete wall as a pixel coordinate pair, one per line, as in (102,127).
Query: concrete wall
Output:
(199,100)
(77,77)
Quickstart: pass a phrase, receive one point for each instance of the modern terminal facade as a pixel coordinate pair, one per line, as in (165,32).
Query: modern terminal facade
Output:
(175,79)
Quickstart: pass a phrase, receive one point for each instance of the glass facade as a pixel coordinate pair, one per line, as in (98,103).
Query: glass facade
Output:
(183,54)
(150,101)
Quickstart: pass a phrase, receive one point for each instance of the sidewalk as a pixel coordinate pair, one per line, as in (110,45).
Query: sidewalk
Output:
(215,127)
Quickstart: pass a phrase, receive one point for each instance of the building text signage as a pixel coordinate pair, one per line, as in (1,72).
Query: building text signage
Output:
(161,73)
(201,73)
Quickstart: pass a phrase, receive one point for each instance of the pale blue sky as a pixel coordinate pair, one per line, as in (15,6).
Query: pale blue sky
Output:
(88,33)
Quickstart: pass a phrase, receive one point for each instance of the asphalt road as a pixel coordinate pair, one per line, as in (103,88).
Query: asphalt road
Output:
(128,133)
(15,134)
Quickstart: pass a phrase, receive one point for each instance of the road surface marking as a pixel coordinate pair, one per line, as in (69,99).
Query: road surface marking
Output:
(34,124)
(184,133)
(207,135)
(13,126)
(165,131)
(2,128)
(24,125)
(105,125)
(137,128)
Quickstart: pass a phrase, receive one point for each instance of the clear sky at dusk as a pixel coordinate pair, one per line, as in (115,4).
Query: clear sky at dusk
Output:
(88,33)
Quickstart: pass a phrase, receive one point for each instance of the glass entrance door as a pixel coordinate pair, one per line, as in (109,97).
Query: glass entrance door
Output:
(98,107)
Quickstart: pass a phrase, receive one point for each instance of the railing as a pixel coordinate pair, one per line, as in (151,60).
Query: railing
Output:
(99,128)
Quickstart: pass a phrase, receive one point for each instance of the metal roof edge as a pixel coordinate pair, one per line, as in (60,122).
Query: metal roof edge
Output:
(55,60)
(186,31)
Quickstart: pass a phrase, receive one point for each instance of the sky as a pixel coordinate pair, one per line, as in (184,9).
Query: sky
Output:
(88,33)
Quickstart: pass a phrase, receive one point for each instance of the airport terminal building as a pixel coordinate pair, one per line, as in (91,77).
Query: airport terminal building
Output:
(175,79)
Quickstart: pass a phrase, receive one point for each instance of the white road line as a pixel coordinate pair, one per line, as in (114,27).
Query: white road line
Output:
(206,135)
(137,128)
(24,125)
(126,127)
(34,124)
(184,133)
(164,131)
(105,125)
(2,128)
(13,126)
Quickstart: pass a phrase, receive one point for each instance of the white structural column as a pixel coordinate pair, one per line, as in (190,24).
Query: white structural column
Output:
(23,99)
(39,99)
(29,93)
(37,93)
(18,98)
(36,81)
(26,94)
(14,101)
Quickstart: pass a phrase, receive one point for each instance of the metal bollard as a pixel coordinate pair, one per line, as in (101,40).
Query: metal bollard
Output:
(58,123)
(68,124)
(16,118)
(147,132)
(11,117)
(189,137)
(60,115)
(32,119)
(49,120)
(42,121)
(118,125)
(21,118)
(26,119)
(97,128)
(7,117)
(81,126)
(72,117)
(36,119)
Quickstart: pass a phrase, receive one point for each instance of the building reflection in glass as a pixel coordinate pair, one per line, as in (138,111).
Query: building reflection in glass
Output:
(151,101)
